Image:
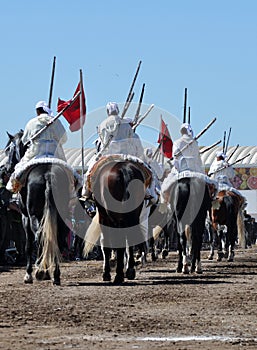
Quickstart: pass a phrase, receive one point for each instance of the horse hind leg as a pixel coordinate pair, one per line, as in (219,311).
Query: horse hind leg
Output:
(28,279)
(119,278)
(106,264)
(130,270)
(57,274)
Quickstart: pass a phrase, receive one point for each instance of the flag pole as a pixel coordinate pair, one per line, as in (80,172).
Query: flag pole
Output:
(52,83)
(81,124)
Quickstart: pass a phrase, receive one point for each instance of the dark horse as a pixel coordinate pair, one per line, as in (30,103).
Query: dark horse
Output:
(44,200)
(227,224)
(119,190)
(190,199)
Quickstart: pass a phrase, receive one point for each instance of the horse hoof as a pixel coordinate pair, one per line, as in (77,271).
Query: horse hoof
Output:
(106,277)
(230,258)
(225,254)
(42,275)
(28,279)
(179,269)
(185,270)
(154,257)
(164,253)
(39,274)
(56,282)
(131,274)
(118,279)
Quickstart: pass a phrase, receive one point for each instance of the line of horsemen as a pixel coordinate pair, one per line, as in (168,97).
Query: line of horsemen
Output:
(117,136)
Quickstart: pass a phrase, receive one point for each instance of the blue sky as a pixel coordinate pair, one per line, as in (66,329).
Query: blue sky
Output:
(208,47)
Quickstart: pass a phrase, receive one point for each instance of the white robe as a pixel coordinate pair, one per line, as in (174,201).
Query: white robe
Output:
(48,143)
(189,158)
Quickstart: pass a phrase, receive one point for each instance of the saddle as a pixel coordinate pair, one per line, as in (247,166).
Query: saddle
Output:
(19,176)
(95,169)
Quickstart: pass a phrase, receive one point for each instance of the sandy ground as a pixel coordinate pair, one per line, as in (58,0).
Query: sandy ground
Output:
(159,310)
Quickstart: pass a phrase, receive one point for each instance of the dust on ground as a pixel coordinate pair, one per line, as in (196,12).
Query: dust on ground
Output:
(160,309)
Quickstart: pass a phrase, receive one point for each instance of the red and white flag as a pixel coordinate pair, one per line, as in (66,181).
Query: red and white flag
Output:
(72,114)
(165,140)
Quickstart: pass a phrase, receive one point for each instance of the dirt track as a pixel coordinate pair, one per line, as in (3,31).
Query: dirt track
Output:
(159,310)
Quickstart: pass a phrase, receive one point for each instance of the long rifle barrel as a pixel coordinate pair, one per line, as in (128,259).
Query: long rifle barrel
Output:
(210,147)
(52,83)
(226,147)
(231,155)
(143,116)
(185,106)
(226,166)
(128,100)
(139,105)
(224,142)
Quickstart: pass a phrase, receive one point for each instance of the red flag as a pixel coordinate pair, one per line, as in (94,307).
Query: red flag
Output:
(72,114)
(165,140)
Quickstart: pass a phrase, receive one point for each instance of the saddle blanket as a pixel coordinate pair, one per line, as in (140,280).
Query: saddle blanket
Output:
(19,176)
(175,176)
(95,168)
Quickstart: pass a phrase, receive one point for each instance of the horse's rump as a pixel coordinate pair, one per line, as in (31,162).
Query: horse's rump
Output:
(118,187)
(117,158)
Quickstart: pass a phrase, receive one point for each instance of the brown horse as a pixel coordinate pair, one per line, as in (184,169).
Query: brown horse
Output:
(227,223)
(119,190)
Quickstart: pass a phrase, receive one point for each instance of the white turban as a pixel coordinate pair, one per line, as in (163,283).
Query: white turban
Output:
(186,129)
(45,107)
(112,108)
(220,154)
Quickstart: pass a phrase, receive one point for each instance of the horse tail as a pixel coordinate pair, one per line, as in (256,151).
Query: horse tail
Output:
(51,254)
(92,235)
(188,234)
(156,232)
(241,228)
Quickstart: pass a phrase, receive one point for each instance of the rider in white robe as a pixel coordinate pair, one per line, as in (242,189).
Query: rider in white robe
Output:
(47,144)
(187,160)
(223,173)
(186,151)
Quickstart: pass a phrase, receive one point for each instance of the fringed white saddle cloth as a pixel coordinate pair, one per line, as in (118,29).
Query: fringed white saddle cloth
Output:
(19,176)
(173,177)
(96,167)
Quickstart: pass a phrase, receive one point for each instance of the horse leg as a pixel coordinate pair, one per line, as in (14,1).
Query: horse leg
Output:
(119,278)
(182,255)
(154,255)
(165,250)
(29,251)
(130,271)
(220,253)
(57,274)
(106,264)
(212,239)
(231,236)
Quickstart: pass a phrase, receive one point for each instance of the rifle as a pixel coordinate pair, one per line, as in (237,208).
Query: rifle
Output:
(52,83)
(226,166)
(224,142)
(233,152)
(226,148)
(185,106)
(143,117)
(54,119)
(129,99)
(139,105)
(210,147)
(197,137)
